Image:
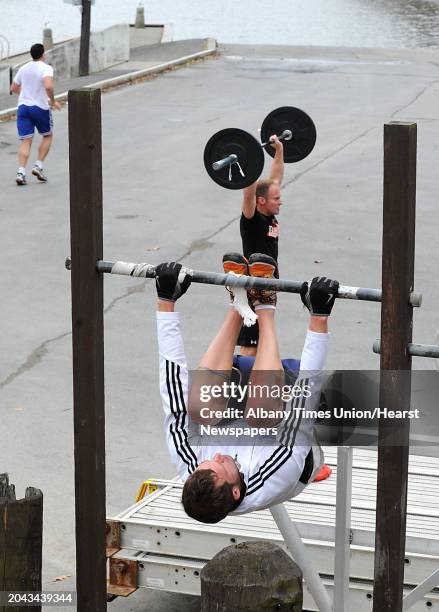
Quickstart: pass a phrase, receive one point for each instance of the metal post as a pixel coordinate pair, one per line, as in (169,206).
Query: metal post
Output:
(342,529)
(396,334)
(85,157)
(84,49)
(422,589)
(298,551)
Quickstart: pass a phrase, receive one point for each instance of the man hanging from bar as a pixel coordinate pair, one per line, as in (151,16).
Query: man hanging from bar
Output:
(246,474)
(259,229)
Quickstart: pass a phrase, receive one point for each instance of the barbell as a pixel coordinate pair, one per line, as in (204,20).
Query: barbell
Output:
(145,270)
(234,158)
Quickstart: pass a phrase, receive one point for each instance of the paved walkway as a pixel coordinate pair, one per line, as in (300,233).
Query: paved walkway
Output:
(147,57)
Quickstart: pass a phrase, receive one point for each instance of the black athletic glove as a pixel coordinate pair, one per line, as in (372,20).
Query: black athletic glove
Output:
(319,295)
(172,280)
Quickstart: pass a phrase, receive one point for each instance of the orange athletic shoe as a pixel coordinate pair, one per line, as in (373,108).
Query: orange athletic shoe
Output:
(236,263)
(323,474)
(262,266)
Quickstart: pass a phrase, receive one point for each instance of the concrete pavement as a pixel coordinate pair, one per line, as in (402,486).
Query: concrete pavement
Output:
(159,204)
(146,58)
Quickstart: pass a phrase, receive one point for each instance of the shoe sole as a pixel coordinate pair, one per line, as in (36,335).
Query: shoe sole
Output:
(261,270)
(237,268)
(43,180)
(19,183)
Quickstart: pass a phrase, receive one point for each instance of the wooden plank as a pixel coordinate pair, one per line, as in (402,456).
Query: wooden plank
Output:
(399,205)
(88,346)
(21,541)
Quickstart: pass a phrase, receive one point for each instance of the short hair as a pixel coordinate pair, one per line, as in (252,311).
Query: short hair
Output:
(263,186)
(37,51)
(205,502)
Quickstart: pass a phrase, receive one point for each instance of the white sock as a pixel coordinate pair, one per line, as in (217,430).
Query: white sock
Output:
(39,164)
(265,307)
(22,170)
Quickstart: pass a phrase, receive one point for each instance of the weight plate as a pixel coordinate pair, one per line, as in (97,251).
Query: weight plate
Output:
(245,147)
(302,127)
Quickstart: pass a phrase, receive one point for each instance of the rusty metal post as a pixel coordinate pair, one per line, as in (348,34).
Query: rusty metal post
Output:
(85,156)
(395,385)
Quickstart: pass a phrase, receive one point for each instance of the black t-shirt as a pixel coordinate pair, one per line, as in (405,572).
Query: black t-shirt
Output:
(259,235)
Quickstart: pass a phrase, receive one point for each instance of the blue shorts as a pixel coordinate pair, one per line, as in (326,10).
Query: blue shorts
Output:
(31,117)
(245,364)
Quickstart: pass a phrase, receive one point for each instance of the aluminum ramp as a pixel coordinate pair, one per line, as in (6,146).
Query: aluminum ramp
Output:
(170,548)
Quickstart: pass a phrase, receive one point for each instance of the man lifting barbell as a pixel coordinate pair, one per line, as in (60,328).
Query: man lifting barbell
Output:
(241,478)
(234,159)
(259,229)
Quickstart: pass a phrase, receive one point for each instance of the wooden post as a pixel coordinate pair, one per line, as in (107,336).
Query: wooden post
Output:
(249,577)
(85,156)
(84,48)
(21,537)
(395,386)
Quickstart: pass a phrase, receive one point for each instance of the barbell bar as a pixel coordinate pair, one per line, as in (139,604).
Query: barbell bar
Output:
(286,135)
(226,161)
(232,158)
(145,270)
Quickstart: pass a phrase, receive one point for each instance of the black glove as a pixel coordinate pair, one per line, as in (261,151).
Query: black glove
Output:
(319,295)
(172,280)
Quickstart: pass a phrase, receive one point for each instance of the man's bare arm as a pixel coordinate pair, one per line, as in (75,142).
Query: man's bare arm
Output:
(48,85)
(15,88)
(165,306)
(249,201)
(277,166)
(318,324)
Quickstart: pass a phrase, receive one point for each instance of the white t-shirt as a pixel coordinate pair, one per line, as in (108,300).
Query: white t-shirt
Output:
(30,78)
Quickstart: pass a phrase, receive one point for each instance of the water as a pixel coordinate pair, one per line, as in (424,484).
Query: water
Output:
(349,23)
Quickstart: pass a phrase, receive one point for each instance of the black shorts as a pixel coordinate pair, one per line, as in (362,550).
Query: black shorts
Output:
(248,336)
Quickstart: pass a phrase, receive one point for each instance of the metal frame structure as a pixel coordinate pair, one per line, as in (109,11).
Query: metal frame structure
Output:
(89,414)
(171,549)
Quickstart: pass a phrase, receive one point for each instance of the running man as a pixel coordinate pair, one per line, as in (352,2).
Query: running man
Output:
(240,478)
(34,85)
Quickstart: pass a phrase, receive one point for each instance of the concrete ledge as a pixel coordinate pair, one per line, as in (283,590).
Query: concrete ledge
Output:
(4,78)
(107,48)
(151,34)
(122,79)
(138,74)
(168,33)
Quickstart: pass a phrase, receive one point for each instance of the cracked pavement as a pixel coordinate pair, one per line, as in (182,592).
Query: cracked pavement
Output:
(159,204)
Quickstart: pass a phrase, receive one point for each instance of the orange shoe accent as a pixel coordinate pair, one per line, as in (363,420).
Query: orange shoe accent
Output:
(324,473)
(261,270)
(237,268)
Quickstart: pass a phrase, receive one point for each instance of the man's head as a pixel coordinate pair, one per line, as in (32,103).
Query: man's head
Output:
(37,51)
(213,490)
(268,198)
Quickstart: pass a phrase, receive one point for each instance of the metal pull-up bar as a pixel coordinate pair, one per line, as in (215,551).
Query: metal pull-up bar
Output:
(145,270)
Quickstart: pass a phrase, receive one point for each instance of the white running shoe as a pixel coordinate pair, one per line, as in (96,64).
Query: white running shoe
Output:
(38,172)
(20,179)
